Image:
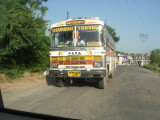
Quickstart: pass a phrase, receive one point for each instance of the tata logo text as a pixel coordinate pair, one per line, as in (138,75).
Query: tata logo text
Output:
(74,53)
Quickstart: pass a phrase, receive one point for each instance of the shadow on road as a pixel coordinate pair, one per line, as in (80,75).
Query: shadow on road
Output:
(74,83)
(82,83)
(50,80)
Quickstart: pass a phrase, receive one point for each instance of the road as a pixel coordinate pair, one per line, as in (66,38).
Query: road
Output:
(133,94)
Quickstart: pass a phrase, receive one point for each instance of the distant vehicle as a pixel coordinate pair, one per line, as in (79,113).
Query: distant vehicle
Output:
(82,48)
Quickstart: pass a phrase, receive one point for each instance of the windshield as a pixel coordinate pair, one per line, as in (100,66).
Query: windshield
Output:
(82,35)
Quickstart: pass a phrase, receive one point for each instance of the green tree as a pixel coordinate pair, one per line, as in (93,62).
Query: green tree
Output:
(113,33)
(23,42)
(119,52)
(155,57)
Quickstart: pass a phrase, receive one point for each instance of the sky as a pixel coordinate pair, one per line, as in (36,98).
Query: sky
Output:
(129,18)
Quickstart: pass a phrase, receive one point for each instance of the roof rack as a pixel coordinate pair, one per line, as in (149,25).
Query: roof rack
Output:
(85,18)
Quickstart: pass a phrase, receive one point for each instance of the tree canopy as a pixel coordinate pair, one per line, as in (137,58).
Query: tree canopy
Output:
(121,52)
(155,57)
(113,33)
(23,42)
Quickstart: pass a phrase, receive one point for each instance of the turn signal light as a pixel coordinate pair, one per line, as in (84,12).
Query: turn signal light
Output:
(103,52)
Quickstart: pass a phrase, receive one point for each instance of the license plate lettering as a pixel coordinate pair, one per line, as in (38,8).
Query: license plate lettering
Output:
(74,73)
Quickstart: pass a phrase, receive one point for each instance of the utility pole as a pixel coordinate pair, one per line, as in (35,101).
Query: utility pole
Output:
(105,21)
(143,37)
(50,31)
(67,14)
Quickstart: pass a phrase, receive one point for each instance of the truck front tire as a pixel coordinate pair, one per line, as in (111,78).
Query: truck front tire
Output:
(111,75)
(102,83)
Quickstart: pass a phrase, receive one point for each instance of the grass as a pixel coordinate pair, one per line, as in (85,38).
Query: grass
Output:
(153,67)
(11,74)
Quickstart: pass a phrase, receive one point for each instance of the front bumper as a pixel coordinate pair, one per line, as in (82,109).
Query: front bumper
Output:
(84,73)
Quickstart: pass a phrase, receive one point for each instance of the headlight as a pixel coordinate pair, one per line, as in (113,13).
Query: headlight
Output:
(97,64)
(54,65)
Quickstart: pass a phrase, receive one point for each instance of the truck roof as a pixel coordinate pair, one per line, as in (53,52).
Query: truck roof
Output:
(79,21)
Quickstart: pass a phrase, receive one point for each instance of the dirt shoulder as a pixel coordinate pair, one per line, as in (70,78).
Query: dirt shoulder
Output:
(29,79)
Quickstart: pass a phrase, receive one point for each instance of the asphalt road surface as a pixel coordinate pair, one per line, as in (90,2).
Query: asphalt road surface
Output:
(133,94)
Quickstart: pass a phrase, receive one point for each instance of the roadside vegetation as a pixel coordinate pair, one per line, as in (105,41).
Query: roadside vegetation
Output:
(24,46)
(113,33)
(23,43)
(121,52)
(154,61)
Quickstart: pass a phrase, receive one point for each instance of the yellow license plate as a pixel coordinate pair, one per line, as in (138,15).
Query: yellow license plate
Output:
(74,73)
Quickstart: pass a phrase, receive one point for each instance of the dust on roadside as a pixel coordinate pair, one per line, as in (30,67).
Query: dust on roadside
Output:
(29,79)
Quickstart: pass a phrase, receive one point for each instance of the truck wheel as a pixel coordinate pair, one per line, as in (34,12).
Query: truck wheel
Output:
(102,83)
(111,75)
(59,82)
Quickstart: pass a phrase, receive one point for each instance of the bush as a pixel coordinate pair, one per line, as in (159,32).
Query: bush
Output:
(155,57)
(13,73)
(152,67)
(23,43)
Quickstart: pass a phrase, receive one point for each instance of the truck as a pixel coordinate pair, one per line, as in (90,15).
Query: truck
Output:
(81,49)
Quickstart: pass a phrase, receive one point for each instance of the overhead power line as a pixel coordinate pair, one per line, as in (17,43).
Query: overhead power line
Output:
(124,13)
(132,13)
(139,15)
